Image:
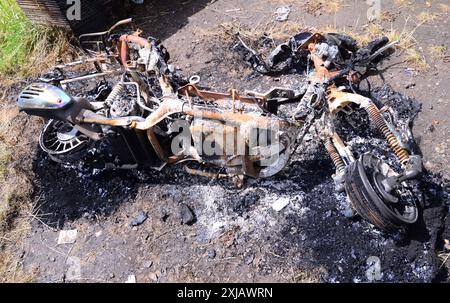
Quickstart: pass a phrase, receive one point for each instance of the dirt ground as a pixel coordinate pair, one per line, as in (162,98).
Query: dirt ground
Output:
(237,235)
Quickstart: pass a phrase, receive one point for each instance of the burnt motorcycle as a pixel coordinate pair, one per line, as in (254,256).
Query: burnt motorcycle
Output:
(143,114)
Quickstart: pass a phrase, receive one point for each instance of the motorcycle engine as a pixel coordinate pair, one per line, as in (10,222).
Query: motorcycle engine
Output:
(123,107)
(122,102)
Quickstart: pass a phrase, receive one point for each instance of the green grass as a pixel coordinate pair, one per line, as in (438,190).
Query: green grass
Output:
(26,48)
(16,36)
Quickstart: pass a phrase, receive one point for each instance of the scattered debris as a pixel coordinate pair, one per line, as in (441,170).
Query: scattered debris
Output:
(249,258)
(131,279)
(140,219)
(282,13)
(373,273)
(67,236)
(410,85)
(233,10)
(147,264)
(212,254)
(187,216)
(154,277)
(281,203)
(164,215)
(447,244)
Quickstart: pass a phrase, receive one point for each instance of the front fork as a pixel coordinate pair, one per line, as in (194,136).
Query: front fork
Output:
(342,155)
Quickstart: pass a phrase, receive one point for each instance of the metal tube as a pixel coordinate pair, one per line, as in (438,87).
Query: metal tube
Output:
(92,76)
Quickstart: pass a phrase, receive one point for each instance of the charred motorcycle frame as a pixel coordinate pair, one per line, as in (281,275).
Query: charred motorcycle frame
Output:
(143,114)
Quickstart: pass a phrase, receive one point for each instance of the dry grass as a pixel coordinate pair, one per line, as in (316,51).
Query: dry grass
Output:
(327,6)
(407,46)
(443,257)
(11,249)
(445,8)
(406,39)
(417,59)
(14,183)
(49,46)
(26,49)
(227,31)
(439,52)
(15,189)
(5,157)
(387,16)
(427,17)
(402,3)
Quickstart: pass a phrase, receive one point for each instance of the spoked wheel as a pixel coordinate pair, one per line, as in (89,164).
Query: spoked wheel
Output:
(60,139)
(364,186)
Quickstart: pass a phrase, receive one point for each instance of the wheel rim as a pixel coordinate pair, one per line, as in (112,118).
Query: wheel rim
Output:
(59,137)
(405,209)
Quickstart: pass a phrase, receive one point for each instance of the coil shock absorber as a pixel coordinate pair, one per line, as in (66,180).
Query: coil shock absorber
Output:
(381,125)
(115,93)
(337,160)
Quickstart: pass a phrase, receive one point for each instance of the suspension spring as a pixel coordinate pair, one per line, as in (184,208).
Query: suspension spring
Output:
(337,160)
(381,125)
(115,93)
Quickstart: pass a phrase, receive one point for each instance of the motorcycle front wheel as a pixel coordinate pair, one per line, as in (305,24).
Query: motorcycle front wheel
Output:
(387,211)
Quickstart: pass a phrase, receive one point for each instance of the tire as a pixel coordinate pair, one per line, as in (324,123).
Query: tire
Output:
(370,205)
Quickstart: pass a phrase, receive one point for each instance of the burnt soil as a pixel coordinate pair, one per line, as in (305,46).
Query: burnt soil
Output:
(237,235)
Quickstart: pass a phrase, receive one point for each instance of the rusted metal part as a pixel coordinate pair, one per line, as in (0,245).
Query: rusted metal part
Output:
(172,106)
(337,160)
(168,107)
(100,58)
(124,47)
(321,73)
(238,118)
(107,32)
(193,91)
(161,152)
(220,134)
(314,39)
(87,116)
(210,175)
(91,76)
(338,100)
(248,166)
(394,143)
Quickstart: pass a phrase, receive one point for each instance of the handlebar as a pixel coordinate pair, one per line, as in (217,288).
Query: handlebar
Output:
(121,22)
